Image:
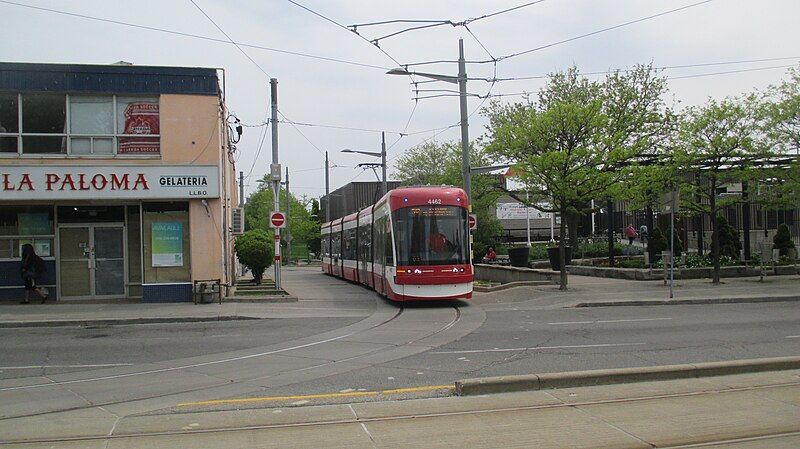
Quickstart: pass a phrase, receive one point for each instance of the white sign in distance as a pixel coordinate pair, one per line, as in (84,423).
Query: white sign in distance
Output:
(516,211)
(100,182)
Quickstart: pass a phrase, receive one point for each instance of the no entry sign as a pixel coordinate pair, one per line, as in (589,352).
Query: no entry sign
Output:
(277,220)
(472,220)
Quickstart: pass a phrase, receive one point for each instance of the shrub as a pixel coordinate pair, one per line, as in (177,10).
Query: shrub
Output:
(659,241)
(783,240)
(729,243)
(538,252)
(254,249)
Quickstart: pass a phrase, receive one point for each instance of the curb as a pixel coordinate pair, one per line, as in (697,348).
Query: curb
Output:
(262,299)
(570,379)
(122,321)
(508,285)
(670,302)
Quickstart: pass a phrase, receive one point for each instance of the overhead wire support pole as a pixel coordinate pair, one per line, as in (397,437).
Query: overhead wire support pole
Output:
(288,209)
(462,89)
(275,171)
(383,163)
(327,190)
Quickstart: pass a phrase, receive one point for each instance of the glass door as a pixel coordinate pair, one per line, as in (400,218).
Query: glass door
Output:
(75,261)
(108,261)
(92,261)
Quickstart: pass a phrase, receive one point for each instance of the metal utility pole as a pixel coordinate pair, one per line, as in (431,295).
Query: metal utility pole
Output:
(275,171)
(288,232)
(672,242)
(383,162)
(327,190)
(462,91)
(528,217)
(241,189)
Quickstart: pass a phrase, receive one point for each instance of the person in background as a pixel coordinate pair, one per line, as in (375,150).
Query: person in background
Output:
(491,255)
(630,233)
(32,268)
(643,233)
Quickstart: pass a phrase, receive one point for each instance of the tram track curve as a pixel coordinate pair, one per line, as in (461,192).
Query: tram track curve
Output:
(228,383)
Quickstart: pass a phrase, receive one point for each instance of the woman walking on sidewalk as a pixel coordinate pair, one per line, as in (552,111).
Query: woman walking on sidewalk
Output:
(32,267)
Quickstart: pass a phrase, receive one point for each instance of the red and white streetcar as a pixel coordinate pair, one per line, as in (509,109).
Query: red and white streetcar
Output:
(413,244)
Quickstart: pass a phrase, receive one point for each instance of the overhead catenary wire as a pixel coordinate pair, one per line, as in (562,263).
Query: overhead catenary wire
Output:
(193,36)
(602,30)
(679,77)
(666,67)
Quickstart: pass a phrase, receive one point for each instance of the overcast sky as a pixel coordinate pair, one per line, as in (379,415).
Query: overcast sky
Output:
(334,93)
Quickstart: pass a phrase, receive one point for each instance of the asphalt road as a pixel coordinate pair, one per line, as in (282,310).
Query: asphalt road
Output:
(141,368)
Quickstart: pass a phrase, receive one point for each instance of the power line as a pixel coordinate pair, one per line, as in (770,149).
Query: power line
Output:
(696,75)
(193,36)
(486,16)
(230,39)
(347,128)
(666,67)
(429,23)
(342,27)
(267,75)
(731,71)
(603,30)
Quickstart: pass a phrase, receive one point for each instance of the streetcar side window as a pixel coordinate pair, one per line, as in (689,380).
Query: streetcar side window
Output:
(388,243)
(380,233)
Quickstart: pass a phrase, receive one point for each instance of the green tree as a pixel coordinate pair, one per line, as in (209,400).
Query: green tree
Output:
(254,249)
(779,113)
(302,226)
(440,164)
(580,139)
(315,243)
(717,146)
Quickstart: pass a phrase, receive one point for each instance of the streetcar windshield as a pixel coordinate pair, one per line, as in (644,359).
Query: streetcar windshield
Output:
(431,235)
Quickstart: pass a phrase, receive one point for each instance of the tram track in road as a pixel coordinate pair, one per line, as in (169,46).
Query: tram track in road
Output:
(227,383)
(480,410)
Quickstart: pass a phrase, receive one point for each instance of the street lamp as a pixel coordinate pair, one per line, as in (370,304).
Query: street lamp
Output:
(461,80)
(381,155)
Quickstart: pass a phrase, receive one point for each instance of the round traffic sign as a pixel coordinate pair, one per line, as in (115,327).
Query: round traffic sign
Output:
(277,219)
(472,220)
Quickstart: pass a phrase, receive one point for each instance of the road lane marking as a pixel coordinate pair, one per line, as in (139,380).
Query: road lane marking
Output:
(793,336)
(98,365)
(317,396)
(476,351)
(609,321)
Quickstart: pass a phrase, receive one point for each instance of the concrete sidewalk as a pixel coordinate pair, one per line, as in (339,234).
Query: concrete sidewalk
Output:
(762,407)
(589,291)
(319,296)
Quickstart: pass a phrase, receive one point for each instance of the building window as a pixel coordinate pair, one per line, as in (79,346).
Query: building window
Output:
(9,123)
(26,224)
(44,122)
(78,125)
(91,125)
(165,232)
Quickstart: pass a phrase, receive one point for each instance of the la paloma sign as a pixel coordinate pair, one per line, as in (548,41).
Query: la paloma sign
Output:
(72,182)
